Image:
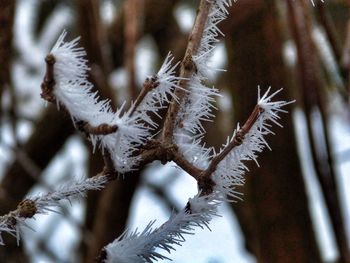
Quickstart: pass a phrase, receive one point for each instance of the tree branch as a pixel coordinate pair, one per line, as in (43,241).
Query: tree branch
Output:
(187,69)
(236,141)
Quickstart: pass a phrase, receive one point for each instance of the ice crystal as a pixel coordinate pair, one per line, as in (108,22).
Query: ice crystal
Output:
(75,93)
(144,246)
(229,172)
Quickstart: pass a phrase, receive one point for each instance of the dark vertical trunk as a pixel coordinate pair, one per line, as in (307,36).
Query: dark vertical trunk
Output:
(275,215)
(311,90)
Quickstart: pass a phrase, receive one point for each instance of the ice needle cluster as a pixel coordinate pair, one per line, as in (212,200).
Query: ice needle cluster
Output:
(198,106)
(74,91)
(41,204)
(230,171)
(147,246)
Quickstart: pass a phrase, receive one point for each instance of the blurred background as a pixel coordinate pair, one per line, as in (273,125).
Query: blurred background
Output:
(296,205)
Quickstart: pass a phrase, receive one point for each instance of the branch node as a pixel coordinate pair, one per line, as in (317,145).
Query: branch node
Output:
(27,208)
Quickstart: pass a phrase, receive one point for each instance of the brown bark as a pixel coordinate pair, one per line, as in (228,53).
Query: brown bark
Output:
(275,216)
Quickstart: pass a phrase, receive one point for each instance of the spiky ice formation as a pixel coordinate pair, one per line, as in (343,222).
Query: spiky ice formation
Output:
(74,91)
(199,103)
(230,171)
(41,204)
(144,246)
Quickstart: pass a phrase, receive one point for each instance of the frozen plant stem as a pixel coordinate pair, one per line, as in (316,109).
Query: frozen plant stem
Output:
(237,140)
(188,68)
(126,136)
(47,87)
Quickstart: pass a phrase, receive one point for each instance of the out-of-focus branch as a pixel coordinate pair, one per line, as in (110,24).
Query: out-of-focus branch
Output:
(329,27)
(7,8)
(94,40)
(346,58)
(133,15)
(310,89)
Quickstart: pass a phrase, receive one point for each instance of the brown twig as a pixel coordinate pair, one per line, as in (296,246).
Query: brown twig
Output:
(131,32)
(148,85)
(159,150)
(102,129)
(187,69)
(236,141)
(49,80)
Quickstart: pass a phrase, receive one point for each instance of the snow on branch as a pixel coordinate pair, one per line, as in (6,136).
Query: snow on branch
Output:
(146,246)
(41,204)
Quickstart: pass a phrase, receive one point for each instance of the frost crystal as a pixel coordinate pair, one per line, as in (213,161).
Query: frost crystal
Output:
(141,246)
(12,222)
(75,93)
(229,172)
(198,105)
(165,81)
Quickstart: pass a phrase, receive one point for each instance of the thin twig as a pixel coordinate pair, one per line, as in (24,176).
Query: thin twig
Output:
(236,141)
(148,85)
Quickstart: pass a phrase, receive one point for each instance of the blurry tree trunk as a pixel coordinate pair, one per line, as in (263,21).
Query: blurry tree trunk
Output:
(7,8)
(12,253)
(275,215)
(159,22)
(112,213)
(312,93)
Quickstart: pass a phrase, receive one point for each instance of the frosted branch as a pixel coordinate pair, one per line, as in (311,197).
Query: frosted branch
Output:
(228,167)
(41,204)
(145,246)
